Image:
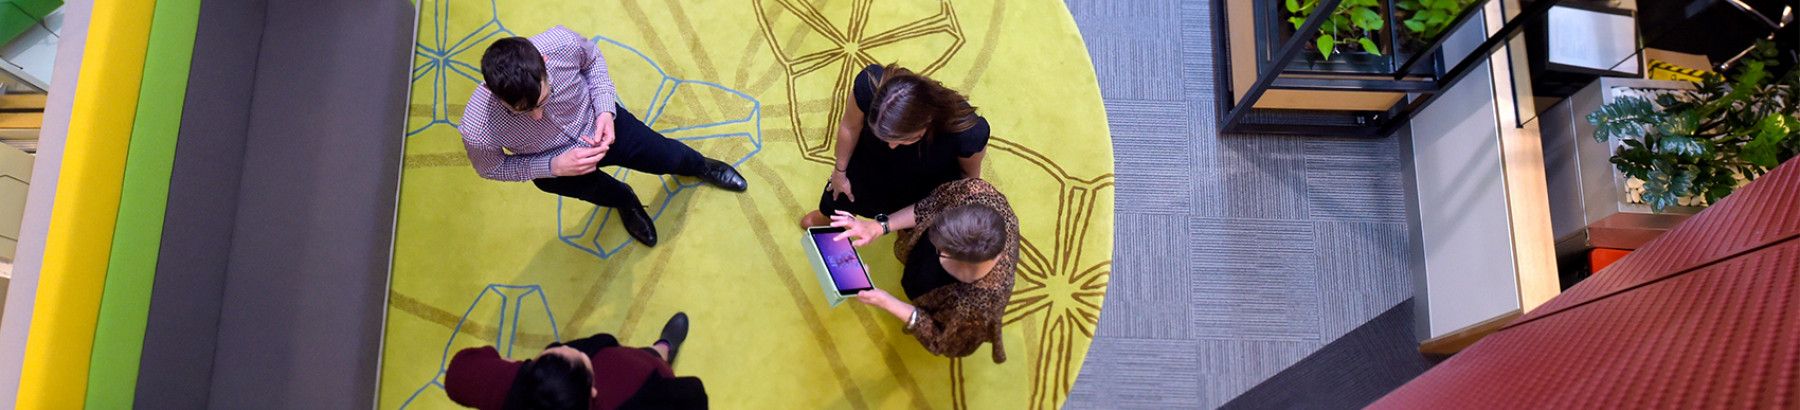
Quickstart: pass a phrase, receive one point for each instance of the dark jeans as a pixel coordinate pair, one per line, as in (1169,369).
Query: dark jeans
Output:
(638,148)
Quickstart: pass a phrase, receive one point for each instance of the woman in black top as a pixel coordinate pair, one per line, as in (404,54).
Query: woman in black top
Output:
(907,134)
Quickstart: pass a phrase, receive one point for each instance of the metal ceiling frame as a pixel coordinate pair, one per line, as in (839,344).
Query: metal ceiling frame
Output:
(1421,92)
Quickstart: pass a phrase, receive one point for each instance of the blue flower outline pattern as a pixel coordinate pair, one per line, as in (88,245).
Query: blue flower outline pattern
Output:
(507,334)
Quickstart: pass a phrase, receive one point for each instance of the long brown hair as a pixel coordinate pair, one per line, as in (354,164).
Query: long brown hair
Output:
(906,102)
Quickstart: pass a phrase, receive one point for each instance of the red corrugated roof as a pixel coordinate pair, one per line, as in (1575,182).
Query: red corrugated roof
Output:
(1706,316)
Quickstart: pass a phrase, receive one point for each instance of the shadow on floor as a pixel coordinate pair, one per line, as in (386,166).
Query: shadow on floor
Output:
(1351,372)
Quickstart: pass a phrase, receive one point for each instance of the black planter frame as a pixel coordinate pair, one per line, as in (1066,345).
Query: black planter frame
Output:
(1422,83)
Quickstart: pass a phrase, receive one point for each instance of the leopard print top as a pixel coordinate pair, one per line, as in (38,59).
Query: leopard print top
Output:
(955,319)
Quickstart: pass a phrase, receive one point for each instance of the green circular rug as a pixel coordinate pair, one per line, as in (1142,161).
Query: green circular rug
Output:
(761,83)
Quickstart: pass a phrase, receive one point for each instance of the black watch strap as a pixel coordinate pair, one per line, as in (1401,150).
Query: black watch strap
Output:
(883,220)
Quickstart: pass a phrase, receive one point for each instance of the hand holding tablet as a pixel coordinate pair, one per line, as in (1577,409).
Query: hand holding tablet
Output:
(875,297)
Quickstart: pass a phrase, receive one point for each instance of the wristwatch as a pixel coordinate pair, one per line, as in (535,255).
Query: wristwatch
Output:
(882,219)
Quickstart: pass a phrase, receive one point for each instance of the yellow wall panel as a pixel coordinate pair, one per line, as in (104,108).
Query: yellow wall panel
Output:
(79,242)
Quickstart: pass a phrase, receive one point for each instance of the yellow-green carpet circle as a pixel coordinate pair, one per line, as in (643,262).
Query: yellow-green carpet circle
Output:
(760,83)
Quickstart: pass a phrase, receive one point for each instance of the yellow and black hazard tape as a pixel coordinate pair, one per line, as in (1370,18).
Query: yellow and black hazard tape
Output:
(1662,70)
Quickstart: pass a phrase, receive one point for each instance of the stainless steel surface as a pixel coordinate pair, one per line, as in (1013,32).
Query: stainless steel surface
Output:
(1587,193)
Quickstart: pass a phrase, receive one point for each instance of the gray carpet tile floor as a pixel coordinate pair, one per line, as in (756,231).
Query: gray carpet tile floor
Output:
(1235,256)
(1350,372)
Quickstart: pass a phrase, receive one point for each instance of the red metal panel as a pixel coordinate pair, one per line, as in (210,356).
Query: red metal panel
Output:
(1765,211)
(1708,316)
(1724,336)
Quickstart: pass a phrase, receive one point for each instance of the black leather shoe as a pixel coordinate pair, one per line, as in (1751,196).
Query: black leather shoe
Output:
(722,175)
(638,224)
(674,332)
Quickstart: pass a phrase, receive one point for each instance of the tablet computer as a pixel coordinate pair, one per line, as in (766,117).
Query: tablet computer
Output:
(839,261)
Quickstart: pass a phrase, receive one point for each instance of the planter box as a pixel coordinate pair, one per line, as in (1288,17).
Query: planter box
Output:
(1588,206)
(1406,44)
(1273,30)
(1246,58)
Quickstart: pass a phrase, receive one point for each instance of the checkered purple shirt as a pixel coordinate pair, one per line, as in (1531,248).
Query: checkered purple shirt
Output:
(513,147)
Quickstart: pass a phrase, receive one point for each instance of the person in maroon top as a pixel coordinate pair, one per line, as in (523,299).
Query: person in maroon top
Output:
(589,373)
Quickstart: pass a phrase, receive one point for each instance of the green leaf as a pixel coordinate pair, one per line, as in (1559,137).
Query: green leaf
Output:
(1682,183)
(1776,127)
(1369,46)
(1293,6)
(1749,80)
(1408,5)
(1751,77)
(1680,145)
(1665,184)
(1656,190)
(1438,17)
(1760,153)
(1717,192)
(1622,118)
(1681,124)
(1414,25)
(1667,100)
(1631,169)
(1658,179)
(1659,201)
(1718,186)
(1326,42)
(1770,131)
(1297,21)
(1366,18)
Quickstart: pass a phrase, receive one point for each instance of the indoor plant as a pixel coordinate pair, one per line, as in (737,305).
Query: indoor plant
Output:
(1704,143)
(1355,25)
(1424,20)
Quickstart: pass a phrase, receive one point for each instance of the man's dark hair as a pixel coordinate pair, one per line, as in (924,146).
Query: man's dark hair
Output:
(969,233)
(513,69)
(550,382)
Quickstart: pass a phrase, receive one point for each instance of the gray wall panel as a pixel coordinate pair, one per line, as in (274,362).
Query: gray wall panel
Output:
(272,278)
(21,291)
(309,260)
(203,190)
(1466,273)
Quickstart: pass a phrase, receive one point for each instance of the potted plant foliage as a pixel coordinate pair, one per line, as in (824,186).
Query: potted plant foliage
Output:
(1422,21)
(1418,22)
(1352,35)
(1692,147)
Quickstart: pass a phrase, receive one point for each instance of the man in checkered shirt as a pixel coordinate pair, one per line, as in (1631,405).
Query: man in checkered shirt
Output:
(547,112)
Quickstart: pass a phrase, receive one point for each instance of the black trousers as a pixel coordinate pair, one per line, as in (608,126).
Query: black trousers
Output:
(637,147)
(656,393)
